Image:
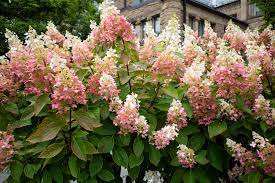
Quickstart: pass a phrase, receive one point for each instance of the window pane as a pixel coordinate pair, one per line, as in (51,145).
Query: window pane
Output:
(156,24)
(191,22)
(137,30)
(201,27)
(136,2)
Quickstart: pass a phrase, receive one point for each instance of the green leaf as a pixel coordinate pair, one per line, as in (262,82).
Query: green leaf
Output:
(182,138)
(12,108)
(189,176)
(78,148)
(200,157)
(254,177)
(190,129)
(86,120)
(48,129)
(154,155)
(73,166)
(106,175)
(187,107)
(134,172)
(171,91)
(81,73)
(106,129)
(95,165)
(40,102)
(138,146)
(177,176)
(20,124)
(241,105)
(52,150)
(120,157)
(104,111)
(196,141)
(124,140)
(135,160)
(56,174)
(264,126)
(216,128)
(215,156)
(174,161)
(46,178)
(31,169)
(89,148)
(106,144)
(16,170)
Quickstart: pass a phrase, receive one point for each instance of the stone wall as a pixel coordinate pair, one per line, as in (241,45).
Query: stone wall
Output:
(169,9)
(231,9)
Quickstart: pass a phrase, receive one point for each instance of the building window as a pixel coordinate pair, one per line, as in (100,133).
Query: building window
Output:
(213,26)
(191,22)
(137,2)
(201,27)
(137,29)
(156,24)
(253,11)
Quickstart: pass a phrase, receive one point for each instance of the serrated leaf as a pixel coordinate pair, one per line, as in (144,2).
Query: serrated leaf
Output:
(52,150)
(40,102)
(134,172)
(47,130)
(177,176)
(106,175)
(216,128)
(215,156)
(95,165)
(190,129)
(120,157)
(138,146)
(182,138)
(12,108)
(189,176)
(86,120)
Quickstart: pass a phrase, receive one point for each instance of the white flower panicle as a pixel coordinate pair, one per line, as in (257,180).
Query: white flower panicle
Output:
(111,53)
(131,101)
(171,34)
(34,41)
(186,156)
(14,42)
(148,29)
(153,177)
(108,8)
(194,72)
(92,25)
(70,40)
(57,63)
(259,141)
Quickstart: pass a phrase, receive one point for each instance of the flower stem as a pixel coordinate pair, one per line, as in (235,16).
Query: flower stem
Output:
(155,97)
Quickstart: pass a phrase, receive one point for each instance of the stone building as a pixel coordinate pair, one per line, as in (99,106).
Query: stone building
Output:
(192,12)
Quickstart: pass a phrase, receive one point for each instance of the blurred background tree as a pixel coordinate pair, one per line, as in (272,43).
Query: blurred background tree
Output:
(71,15)
(268,9)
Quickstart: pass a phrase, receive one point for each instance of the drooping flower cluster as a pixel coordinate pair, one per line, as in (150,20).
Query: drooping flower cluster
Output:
(228,110)
(164,136)
(6,149)
(186,156)
(263,110)
(128,118)
(176,114)
(153,177)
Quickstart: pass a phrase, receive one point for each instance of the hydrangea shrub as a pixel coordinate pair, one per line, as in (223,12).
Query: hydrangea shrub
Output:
(199,109)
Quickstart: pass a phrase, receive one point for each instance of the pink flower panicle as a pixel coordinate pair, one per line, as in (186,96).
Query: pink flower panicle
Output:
(203,102)
(226,109)
(263,110)
(112,28)
(82,53)
(93,84)
(6,149)
(68,91)
(54,34)
(186,156)
(128,118)
(107,88)
(108,64)
(164,136)
(176,114)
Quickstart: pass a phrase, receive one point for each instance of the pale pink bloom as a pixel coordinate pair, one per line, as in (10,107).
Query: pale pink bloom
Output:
(107,88)
(54,34)
(68,91)
(176,114)
(186,156)
(228,110)
(6,149)
(115,104)
(164,136)
(93,84)
(263,110)
(82,53)
(108,64)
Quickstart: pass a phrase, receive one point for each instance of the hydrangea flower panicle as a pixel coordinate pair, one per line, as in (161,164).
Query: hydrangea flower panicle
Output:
(176,114)
(186,156)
